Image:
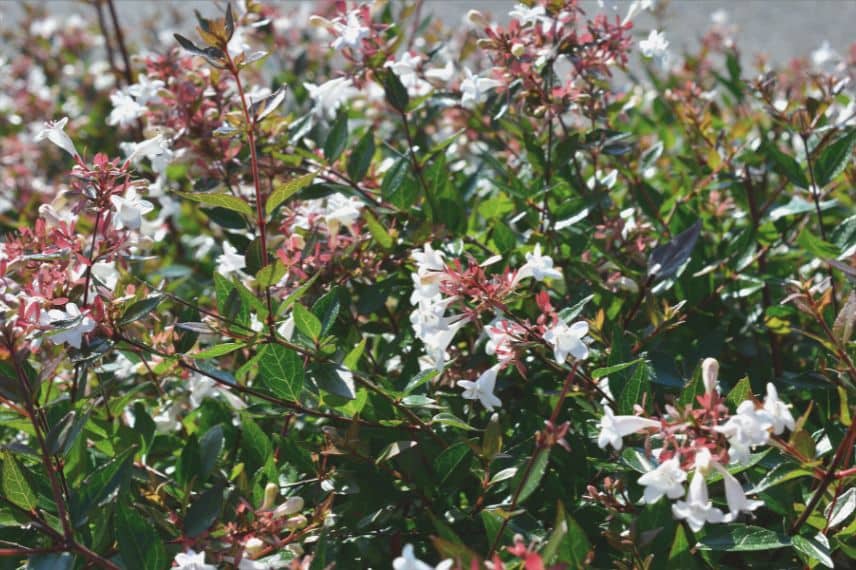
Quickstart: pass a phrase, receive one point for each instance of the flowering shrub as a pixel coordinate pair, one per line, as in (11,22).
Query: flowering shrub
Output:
(349,288)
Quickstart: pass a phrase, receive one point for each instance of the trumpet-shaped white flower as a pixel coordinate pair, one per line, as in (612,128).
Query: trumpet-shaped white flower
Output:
(341,211)
(698,509)
(568,340)
(202,387)
(71,323)
(613,428)
(777,411)
(408,561)
(735,496)
(406,68)
(125,111)
(474,89)
(191,560)
(526,15)
(156,149)
(130,210)
(656,46)
(482,388)
(667,479)
(330,95)
(145,90)
(538,266)
(350,32)
(230,261)
(744,430)
(167,420)
(54,132)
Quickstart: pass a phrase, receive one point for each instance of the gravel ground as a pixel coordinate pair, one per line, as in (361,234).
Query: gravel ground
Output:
(780,28)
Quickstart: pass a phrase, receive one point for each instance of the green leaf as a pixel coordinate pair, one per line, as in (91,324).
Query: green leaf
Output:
(282,191)
(217,350)
(449,460)
(377,230)
(203,512)
(631,394)
(100,485)
(665,260)
(361,156)
(786,166)
(337,139)
(568,542)
(740,537)
(396,93)
(255,444)
(210,447)
(679,554)
(139,310)
(397,186)
(327,309)
(307,323)
(271,274)
(816,246)
(15,486)
(834,159)
(281,370)
(533,477)
(815,548)
(139,543)
(741,391)
(451,420)
(226,201)
(598,373)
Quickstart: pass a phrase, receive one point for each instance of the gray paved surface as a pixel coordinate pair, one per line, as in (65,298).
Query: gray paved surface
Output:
(780,28)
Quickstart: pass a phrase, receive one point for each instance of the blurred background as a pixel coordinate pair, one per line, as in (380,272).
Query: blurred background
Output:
(782,29)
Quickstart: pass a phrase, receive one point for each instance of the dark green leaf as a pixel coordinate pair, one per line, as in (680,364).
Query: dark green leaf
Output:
(834,158)
(139,544)
(667,259)
(740,537)
(337,139)
(139,309)
(203,512)
(281,370)
(361,156)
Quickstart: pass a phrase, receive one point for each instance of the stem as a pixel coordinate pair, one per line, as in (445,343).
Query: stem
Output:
(815,195)
(257,186)
(120,39)
(539,449)
(108,43)
(844,448)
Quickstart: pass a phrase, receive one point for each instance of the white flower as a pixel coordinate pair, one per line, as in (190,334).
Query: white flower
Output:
(230,261)
(744,430)
(734,495)
(286,329)
(408,561)
(474,89)
(167,420)
(482,388)
(330,95)
(613,428)
(130,210)
(191,560)
(74,325)
(156,149)
(568,340)
(538,266)
(106,273)
(777,411)
(638,6)
(443,74)
(350,32)
(146,90)
(823,55)
(53,131)
(202,387)
(406,68)
(709,373)
(667,479)
(526,15)
(125,111)
(341,211)
(698,508)
(655,46)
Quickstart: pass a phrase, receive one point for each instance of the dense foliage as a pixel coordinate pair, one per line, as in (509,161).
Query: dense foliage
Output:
(348,288)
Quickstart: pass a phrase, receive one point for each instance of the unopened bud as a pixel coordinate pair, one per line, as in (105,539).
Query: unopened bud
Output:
(518,49)
(295,523)
(254,547)
(709,373)
(476,18)
(801,120)
(291,506)
(271,491)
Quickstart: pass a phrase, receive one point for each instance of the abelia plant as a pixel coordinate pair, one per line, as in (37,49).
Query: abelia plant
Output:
(347,286)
